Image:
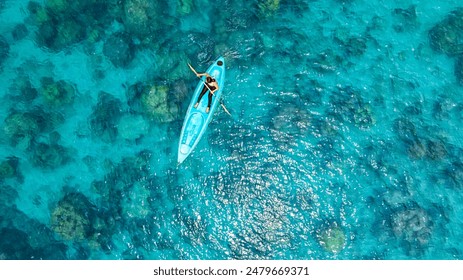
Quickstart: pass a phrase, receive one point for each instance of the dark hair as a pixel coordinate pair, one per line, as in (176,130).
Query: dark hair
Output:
(209,79)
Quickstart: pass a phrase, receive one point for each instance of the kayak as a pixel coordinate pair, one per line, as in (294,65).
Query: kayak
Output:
(196,119)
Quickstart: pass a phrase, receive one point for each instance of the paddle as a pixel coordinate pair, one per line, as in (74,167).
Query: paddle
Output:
(196,73)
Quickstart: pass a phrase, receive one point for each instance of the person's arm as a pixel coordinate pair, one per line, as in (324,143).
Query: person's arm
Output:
(216,88)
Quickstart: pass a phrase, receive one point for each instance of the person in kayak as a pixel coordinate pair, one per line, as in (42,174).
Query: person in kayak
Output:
(212,86)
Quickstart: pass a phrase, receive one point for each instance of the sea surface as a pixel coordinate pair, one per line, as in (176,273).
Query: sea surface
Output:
(344,140)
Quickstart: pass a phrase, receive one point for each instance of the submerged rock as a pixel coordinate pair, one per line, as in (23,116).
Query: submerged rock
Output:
(447,36)
(23,89)
(136,203)
(9,168)
(355,46)
(141,17)
(406,19)
(19,32)
(436,150)
(291,120)
(105,116)
(50,156)
(57,93)
(132,127)
(412,225)
(20,128)
(332,238)
(119,49)
(64,23)
(184,7)
(455,173)
(59,34)
(405,129)
(363,117)
(349,105)
(417,149)
(14,245)
(443,108)
(267,8)
(458,70)
(4,49)
(327,61)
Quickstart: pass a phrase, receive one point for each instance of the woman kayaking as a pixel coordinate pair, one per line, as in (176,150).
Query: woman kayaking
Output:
(211,85)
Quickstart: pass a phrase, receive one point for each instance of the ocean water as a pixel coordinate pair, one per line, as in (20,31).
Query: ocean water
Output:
(344,140)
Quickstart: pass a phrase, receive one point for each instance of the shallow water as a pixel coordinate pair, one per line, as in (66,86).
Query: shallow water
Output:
(344,140)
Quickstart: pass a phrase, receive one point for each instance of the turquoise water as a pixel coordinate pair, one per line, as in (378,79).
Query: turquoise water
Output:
(344,140)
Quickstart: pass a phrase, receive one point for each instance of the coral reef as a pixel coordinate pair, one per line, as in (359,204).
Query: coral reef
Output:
(119,49)
(22,89)
(76,219)
(458,70)
(57,34)
(59,7)
(155,104)
(332,238)
(19,32)
(57,93)
(430,149)
(127,172)
(184,7)
(127,177)
(14,245)
(50,156)
(446,36)
(444,107)
(9,168)
(405,129)
(355,46)
(105,116)
(172,66)
(349,105)
(9,195)
(124,190)
(132,127)
(136,204)
(419,147)
(21,127)
(327,61)
(416,149)
(25,238)
(169,102)
(454,172)
(414,226)
(142,17)
(407,19)
(363,117)
(72,217)
(351,45)
(64,23)
(291,120)
(67,33)
(4,49)
(267,8)
(436,149)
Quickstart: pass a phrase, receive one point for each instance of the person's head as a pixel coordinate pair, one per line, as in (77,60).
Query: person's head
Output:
(210,79)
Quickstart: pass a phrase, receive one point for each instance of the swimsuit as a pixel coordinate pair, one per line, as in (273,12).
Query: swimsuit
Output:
(210,94)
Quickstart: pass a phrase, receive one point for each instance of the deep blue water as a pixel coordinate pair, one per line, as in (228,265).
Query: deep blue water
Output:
(344,140)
